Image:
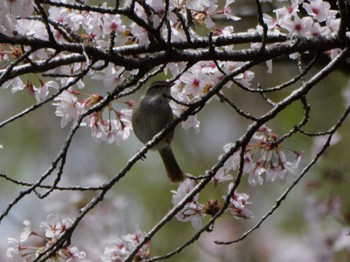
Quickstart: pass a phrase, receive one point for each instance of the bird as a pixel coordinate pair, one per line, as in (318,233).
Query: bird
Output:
(152,113)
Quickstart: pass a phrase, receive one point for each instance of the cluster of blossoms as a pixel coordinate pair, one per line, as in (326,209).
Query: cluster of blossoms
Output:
(321,20)
(263,155)
(121,248)
(95,28)
(113,128)
(53,227)
(198,80)
(194,211)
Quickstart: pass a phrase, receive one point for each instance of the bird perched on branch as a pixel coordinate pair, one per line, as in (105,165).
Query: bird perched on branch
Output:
(152,114)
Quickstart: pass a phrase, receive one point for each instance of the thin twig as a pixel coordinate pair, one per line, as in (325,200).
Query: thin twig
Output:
(236,108)
(60,188)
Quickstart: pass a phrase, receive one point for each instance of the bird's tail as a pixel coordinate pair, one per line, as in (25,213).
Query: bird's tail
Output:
(173,169)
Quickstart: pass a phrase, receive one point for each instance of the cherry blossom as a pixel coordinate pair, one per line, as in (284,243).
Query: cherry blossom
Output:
(16,84)
(67,107)
(53,227)
(112,23)
(297,26)
(318,30)
(238,204)
(27,231)
(140,34)
(110,76)
(13,252)
(42,91)
(227,11)
(318,9)
(288,11)
(71,70)
(178,109)
(31,28)
(194,83)
(193,210)
(113,130)
(333,25)
(221,176)
(67,17)
(263,156)
(120,248)
(269,158)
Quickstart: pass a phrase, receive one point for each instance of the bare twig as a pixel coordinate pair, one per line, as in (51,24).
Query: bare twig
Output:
(60,188)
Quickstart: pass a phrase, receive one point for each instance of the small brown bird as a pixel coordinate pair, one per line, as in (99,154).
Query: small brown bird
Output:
(150,115)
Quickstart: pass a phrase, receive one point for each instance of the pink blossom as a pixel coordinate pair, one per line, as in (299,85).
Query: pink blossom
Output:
(226,31)
(333,25)
(263,156)
(140,34)
(193,210)
(272,24)
(64,16)
(255,175)
(112,130)
(318,30)
(31,28)
(238,204)
(121,248)
(232,163)
(54,225)
(16,84)
(194,82)
(43,90)
(110,76)
(73,254)
(13,253)
(245,78)
(288,11)
(112,23)
(318,9)
(221,176)
(227,11)
(26,232)
(178,109)
(297,26)
(91,23)
(67,107)
(70,70)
